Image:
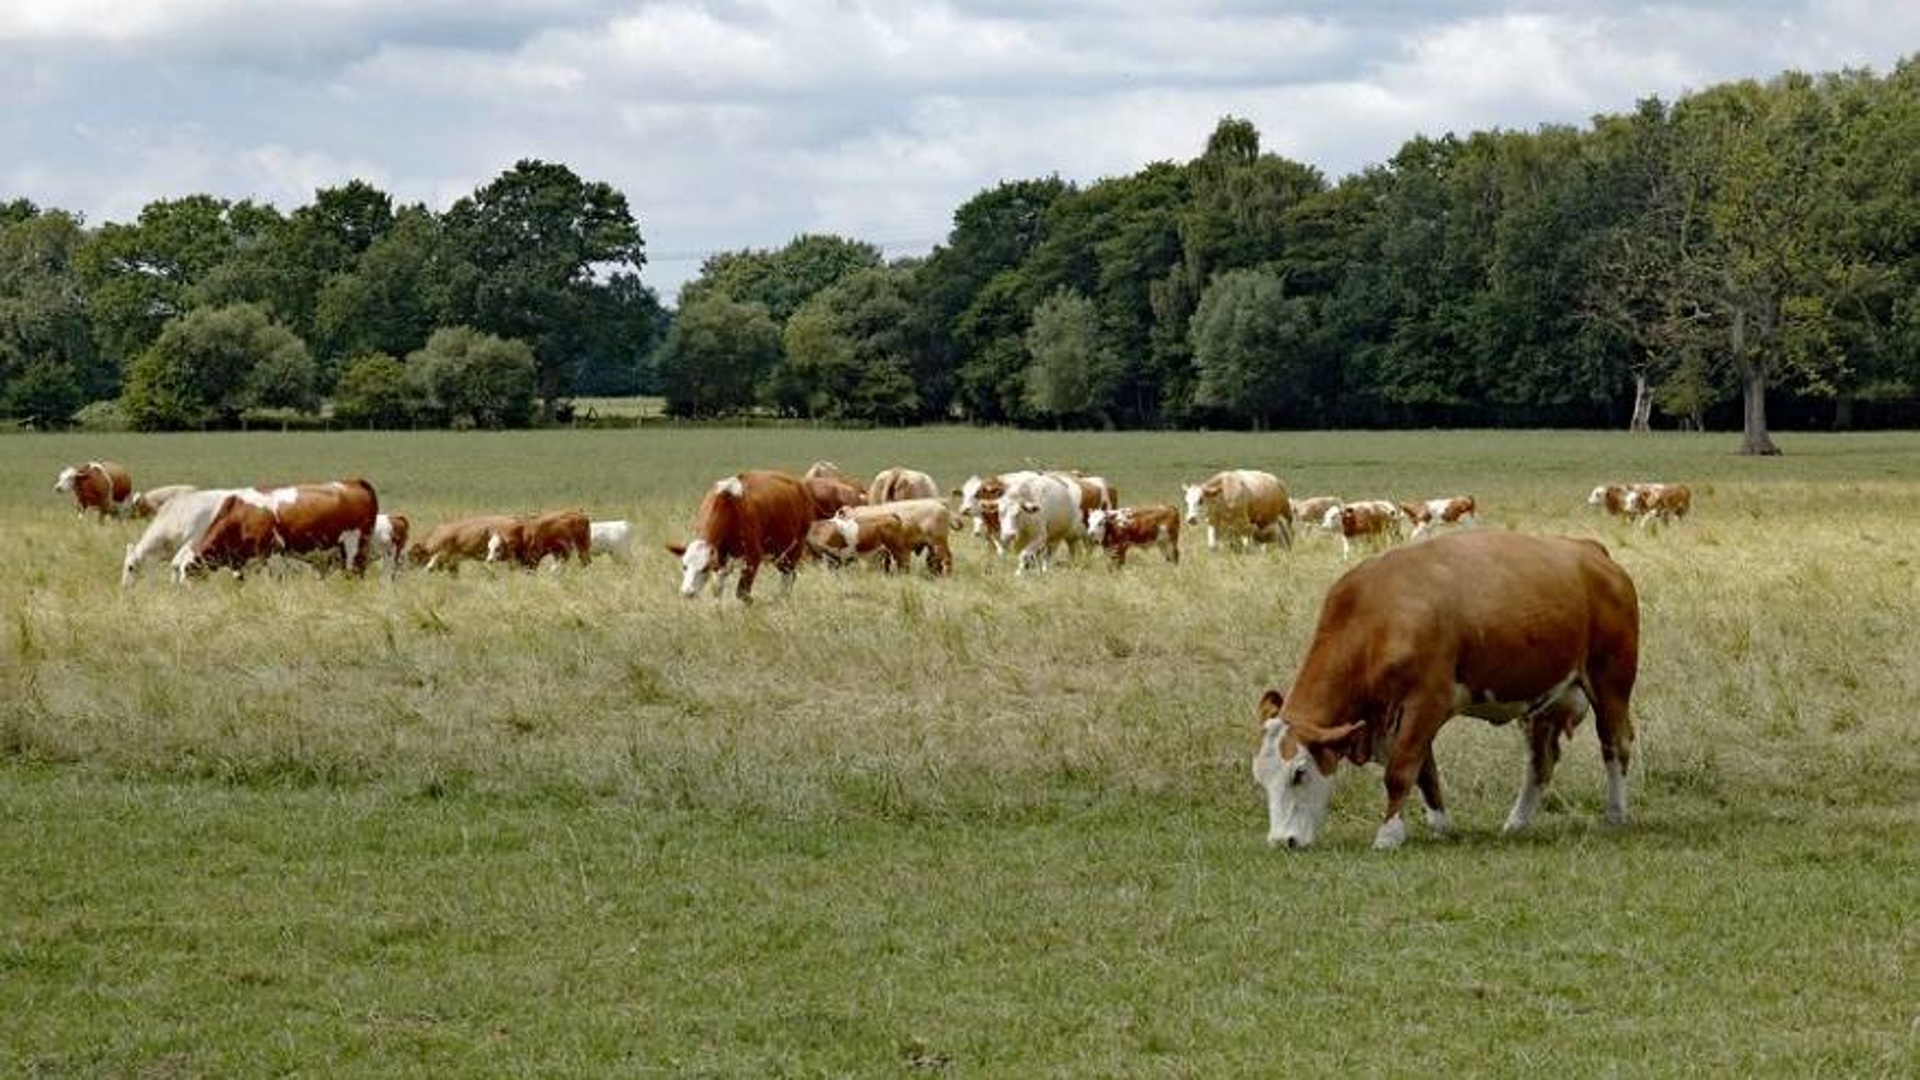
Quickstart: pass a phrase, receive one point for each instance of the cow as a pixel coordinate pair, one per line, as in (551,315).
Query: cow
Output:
(308,519)
(562,534)
(830,494)
(1095,493)
(145,504)
(842,538)
(1429,513)
(100,486)
(824,470)
(899,483)
(926,523)
(1242,505)
(1131,526)
(747,517)
(1372,521)
(174,526)
(1312,512)
(1610,497)
(613,539)
(1036,515)
(1650,503)
(452,542)
(240,534)
(980,501)
(389,540)
(1495,625)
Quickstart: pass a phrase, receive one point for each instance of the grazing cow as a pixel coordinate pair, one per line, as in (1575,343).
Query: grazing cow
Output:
(1370,520)
(1495,625)
(1659,502)
(451,542)
(830,494)
(308,519)
(389,540)
(1241,505)
(926,522)
(613,539)
(748,517)
(100,486)
(174,526)
(823,470)
(562,534)
(145,504)
(1036,515)
(1135,526)
(842,538)
(240,534)
(898,483)
(1428,513)
(1312,513)
(980,501)
(1611,497)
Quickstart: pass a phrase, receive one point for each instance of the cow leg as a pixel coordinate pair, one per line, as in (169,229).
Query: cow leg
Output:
(355,552)
(1614,724)
(1544,732)
(748,571)
(1429,782)
(1213,538)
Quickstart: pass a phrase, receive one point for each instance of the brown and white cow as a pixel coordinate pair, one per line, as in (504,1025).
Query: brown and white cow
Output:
(450,543)
(562,534)
(308,519)
(146,504)
(1659,502)
(829,494)
(926,522)
(1426,514)
(1243,506)
(747,518)
(1095,492)
(1136,526)
(1311,513)
(899,483)
(240,534)
(174,526)
(389,540)
(1373,521)
(980,503)
(842,538)
(1495,625)
(100,486)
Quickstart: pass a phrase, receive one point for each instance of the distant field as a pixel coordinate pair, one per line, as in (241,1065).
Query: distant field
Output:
(569,824)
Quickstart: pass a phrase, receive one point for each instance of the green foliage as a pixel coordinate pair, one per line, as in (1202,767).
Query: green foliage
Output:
(468,378)
(1070,375)
(48,363)
(375,391)
(1253,347)
(390,300)
(847,352)
(210,365)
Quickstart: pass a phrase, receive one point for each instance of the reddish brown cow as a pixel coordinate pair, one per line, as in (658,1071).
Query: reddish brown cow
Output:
(448,543)
(829,494)
(308,519)
(749,517)
(843,538)
(559,533)
(240,534)
(1659,502)
(1428,513)
(100,486)
(1375,520)
(1135,526)
(1496,625)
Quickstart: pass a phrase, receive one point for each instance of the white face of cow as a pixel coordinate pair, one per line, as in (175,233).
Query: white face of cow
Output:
(1191,495)
(66,479)
(1097,526)
(1298,793)
(1012,512)
(1598,497)
(698,563)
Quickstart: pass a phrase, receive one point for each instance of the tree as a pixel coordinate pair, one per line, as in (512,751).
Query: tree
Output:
(716,355)
(468,378)
(847,350)
(528,256)
(374,391)
(1070,375)
(48,364)
(139,276)
(392,297)
(1251,344)
(210,365)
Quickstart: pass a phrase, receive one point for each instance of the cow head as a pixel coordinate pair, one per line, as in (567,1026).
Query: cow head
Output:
(65,481)
(699,560)
(1192,495)
(1296,768)
(1097,526)
(1012,513)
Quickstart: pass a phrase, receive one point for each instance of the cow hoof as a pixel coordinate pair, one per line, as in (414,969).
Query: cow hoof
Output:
(1439,823)
(1391,835)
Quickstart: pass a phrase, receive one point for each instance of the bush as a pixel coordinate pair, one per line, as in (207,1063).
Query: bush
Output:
(212,364)
(470,379)
(374,391)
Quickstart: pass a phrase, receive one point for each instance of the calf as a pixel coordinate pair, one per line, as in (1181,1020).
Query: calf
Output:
(389,540)
(1495,625)
(1131,526)
(926,522)
(1428,513)
(146,504)
(613,539)
(842,538)
(451,542)
(562,534)
(1370,520)
(100,486)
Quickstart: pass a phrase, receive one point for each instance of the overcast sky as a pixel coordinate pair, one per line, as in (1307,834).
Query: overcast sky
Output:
(735,123)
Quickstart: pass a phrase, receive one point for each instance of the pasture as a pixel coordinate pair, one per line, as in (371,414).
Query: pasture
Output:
(566,823)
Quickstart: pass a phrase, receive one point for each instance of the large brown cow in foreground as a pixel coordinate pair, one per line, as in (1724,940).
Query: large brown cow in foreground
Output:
(100,486)
(1495,625)
(747,518)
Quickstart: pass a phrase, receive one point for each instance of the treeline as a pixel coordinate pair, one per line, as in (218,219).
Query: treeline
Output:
(203,310)
(1685,258)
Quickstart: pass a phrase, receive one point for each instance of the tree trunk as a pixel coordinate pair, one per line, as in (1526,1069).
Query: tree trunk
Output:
(1642,403)
(1753,388)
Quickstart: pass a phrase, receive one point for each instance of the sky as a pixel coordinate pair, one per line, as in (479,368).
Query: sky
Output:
(736,124)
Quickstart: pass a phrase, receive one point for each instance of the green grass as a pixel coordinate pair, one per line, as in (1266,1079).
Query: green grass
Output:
(568,824)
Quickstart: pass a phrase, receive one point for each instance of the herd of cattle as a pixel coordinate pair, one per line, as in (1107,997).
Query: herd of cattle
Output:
(1507,626)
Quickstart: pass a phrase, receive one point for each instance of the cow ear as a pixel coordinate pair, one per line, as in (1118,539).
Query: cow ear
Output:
(1030,507)
(677,549)
(1270,703)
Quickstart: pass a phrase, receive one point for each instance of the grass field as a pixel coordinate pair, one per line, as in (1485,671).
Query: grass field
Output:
(569,824)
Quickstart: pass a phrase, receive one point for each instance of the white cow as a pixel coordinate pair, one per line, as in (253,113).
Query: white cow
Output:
(174,526)
(1036,515)
(613,538)
(980,502)
(1242,505)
